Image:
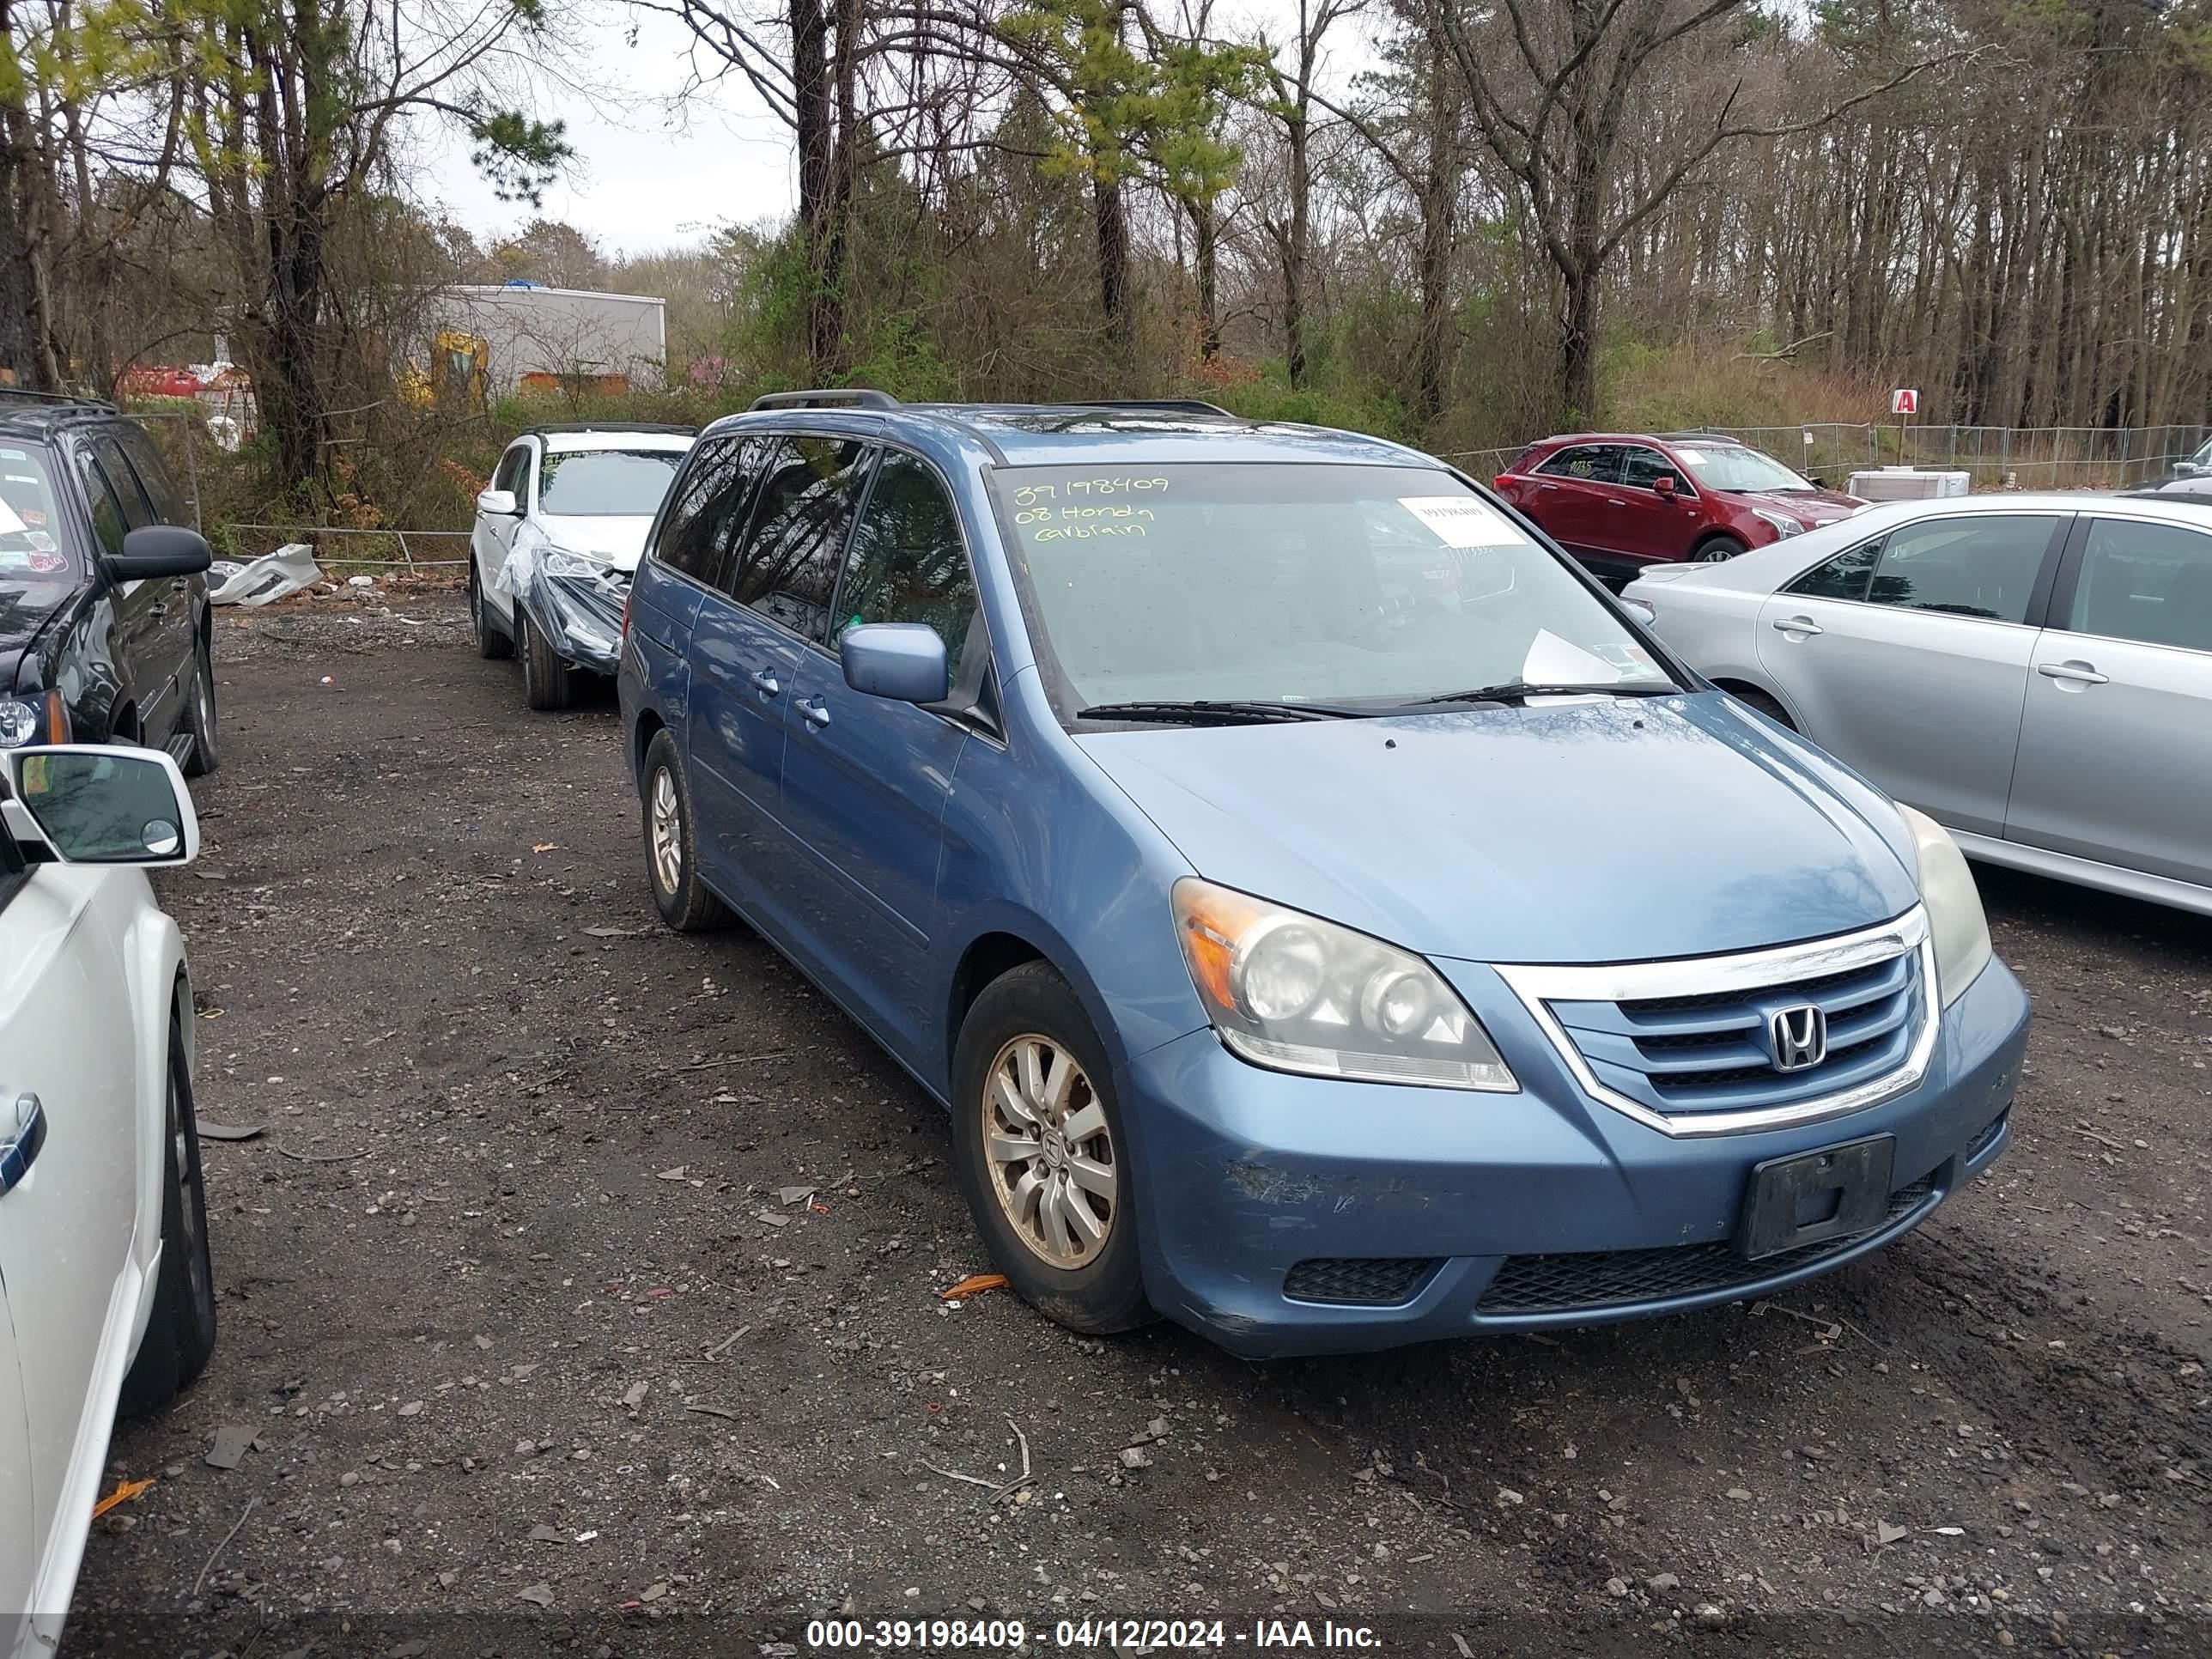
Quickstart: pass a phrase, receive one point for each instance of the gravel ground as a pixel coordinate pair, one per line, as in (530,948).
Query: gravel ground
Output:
(540,1353)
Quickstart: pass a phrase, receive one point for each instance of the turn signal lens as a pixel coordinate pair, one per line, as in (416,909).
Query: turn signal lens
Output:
(1297,993)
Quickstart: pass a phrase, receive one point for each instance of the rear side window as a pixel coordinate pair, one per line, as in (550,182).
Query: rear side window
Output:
(788,563)
(707,511)
(1844,577)
(908,563)
(153,472)
(1587,462)
(2150,582)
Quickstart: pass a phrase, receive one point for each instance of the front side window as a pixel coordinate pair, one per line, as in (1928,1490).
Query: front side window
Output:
(137,511)
(513,471)
(1585,464)
(788,562)
(605,483)
(1732,466)
(909,563)
(2149,582)
(707,513)
(1327,583)
(1984,565)
(153,475)
(1642,468)
(31,545)
(107,520)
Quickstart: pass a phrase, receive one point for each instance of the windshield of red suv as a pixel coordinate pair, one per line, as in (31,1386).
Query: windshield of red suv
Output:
(1295,583)
(31,529)
(1732,466)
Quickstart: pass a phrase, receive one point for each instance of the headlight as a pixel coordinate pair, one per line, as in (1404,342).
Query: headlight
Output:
(560,561)
(1784,526)
(1294,992)
(1954,904)
(19,723)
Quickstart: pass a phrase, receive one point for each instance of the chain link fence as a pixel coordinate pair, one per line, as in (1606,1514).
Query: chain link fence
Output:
(341,547)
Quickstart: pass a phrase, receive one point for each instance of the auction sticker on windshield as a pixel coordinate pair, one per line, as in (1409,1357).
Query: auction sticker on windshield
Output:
(1464,521)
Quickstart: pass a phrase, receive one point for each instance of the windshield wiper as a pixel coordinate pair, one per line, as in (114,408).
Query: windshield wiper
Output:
(1521,690)
(1238,712)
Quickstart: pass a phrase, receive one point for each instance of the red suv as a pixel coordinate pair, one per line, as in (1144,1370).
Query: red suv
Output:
(1621,501)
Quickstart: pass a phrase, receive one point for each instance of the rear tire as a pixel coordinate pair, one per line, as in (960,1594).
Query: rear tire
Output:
(180,1331)
(672,844)
(199,714)
(1040,1154)
(548,683)
(1717,550)
(492,645)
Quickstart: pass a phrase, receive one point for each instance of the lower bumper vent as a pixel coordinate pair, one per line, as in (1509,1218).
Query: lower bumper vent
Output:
(1371,1281)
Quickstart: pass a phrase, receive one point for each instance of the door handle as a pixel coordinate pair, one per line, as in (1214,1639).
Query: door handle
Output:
(1797,625)
(816,711)
(2079,672)
(26,1134)
(767,684)
(1614,500)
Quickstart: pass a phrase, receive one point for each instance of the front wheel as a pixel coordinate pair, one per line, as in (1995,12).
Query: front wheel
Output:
(1717,550)
(547,682)
(199,714)
(672,844)
(180,1331)
(1040,1154)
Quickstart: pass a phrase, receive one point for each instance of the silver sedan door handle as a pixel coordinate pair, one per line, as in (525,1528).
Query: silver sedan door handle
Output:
(25,1134)
(1797,625)
(2079,672)
(767,684)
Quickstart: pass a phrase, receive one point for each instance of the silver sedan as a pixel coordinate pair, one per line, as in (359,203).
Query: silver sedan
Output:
(2033,672)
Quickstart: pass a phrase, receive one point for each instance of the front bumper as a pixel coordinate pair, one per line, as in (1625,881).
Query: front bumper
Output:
(580,616)
(1245,1174)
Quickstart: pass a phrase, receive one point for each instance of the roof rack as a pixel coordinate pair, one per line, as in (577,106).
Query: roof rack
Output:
(858,396)
(61,398)
(1163,405)
(1701,436)
(671,428)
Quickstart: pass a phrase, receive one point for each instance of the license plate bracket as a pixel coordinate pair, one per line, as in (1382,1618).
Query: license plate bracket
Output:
(1808,1198)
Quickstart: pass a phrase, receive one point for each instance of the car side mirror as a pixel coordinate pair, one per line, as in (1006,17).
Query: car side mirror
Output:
(105,804)
(498,503)
(903,661)
(158,550)
(1664,483)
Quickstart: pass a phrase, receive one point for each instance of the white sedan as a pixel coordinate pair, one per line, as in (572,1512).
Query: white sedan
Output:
(107,1292)
(2034,672)
(558,538)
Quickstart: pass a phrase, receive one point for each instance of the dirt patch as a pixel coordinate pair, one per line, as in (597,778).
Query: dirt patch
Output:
(536,1329)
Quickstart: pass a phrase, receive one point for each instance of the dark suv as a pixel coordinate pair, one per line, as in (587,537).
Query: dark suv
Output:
(104,616)
(1621,502)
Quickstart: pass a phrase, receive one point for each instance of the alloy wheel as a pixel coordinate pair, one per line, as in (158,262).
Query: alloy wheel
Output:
(667,833)
(1049,1154)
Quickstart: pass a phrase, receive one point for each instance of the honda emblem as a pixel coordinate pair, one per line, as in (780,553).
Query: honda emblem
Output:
(1797,1037)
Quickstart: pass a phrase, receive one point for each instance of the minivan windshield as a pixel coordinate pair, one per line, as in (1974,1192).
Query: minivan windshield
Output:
(1732,466)
(606,483)
(1295,583)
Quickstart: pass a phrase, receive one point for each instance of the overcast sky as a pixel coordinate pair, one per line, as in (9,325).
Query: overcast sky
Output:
(640,181)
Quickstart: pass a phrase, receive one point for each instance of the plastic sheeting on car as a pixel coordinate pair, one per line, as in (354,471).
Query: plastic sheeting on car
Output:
(575,603)
(266,580)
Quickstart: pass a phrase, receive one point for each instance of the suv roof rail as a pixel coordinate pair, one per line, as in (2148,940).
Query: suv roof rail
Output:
(672,428)
(858,396)
(1702,435)
(1164,406)
(64,399)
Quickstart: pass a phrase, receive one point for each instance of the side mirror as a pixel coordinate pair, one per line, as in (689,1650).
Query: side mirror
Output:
(1664,483)
(105,804)
(903,661)
(158,550)
(498,503)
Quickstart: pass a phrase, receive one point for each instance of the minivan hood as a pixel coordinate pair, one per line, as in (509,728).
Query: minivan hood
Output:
(618,541)
(1623,831)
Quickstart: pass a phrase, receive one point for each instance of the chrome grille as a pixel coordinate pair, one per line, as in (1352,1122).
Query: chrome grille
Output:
(1687,1046)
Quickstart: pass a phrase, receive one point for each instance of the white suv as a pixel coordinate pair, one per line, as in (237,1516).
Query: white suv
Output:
(107,1292)
(558,538)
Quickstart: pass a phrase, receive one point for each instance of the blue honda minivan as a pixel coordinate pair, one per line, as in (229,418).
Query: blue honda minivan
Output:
(1330,920)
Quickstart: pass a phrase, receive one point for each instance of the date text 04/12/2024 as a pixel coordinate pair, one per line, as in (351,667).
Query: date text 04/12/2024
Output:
(1105,1635)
